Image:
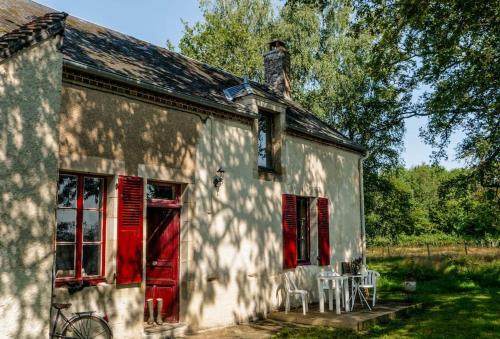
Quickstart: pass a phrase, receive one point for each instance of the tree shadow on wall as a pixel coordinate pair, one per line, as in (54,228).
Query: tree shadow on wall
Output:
(30,93)
(233,236)
(236,241)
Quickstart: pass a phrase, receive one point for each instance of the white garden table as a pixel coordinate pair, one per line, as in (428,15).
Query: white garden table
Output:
(340,280)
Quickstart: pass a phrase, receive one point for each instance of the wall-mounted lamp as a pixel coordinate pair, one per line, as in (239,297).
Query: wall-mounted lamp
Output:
(219,178)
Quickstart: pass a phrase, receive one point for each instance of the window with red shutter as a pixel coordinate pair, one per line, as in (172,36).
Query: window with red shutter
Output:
(289,231)
(81,228)
(323,232)
(130,223)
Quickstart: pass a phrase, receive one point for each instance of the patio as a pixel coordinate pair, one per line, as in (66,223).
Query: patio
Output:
(359,319)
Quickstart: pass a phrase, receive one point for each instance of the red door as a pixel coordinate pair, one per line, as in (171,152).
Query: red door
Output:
(162,260)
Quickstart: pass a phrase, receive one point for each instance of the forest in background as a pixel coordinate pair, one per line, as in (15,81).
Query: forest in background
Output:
(430,205)
(365,67)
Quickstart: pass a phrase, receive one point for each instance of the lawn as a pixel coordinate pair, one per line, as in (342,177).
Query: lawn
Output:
(461,296)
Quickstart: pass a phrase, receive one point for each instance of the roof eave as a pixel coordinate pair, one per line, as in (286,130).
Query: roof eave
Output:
(336,142)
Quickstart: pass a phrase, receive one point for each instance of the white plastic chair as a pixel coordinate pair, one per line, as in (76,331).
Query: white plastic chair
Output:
(370,281)
(325,285)
(291,289)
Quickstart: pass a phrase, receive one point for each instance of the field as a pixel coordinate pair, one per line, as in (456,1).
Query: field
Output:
(461,295)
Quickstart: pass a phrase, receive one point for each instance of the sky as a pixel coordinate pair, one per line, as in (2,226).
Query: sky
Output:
(157,21)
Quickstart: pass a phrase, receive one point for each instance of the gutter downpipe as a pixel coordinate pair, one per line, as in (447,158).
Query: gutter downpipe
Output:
(362,205)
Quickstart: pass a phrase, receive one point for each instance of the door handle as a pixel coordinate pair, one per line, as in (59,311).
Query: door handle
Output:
(154,263)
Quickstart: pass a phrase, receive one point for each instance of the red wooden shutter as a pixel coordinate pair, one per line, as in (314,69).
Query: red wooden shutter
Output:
(130,218)
(289,231)
(323,232)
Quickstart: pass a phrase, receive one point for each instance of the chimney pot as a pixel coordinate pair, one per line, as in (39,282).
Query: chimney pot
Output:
(277,68)
(276,44)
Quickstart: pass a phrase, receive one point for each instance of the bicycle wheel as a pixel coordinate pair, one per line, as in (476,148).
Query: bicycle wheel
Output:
(87,326)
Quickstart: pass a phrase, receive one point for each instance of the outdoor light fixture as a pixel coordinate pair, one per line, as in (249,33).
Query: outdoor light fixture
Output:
(219,178)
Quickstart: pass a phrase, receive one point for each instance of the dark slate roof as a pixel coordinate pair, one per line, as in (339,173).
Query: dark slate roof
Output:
(301,120)
(96,47)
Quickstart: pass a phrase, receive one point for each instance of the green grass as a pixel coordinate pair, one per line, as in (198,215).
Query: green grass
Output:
(461,297)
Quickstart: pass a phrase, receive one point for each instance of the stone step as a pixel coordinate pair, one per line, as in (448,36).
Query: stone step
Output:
(167,330)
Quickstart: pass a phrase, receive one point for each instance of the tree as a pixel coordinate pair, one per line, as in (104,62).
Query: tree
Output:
(356,98)
(453,49)
(232,35)
(356,64)
(431,200)
(465,207)
(331,70)
(388,211)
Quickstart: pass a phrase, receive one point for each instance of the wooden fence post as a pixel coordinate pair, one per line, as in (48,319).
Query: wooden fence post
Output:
(465,247)
(428,250)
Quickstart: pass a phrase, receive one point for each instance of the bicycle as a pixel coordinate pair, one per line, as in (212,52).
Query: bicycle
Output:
(81,325)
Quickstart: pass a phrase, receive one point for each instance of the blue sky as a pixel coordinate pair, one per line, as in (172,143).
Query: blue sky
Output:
(156,21)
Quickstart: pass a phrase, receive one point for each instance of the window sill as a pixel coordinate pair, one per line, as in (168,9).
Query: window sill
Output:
(268,174)
(266,169)
(93,281)
(304,263)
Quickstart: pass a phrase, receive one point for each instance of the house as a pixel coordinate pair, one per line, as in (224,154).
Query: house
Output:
(151,175)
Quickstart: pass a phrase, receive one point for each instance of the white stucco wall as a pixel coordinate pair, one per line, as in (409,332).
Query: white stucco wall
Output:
(231,239)
(30,89)
(235,263)
(318,170)
(111,135)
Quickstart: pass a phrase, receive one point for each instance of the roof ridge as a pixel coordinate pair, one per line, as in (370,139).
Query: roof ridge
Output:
(34,31)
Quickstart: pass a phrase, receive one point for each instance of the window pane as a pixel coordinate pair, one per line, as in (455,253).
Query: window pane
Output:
(264,141)
(65,261)
(92,193)
(66,224)
(66,191)
(262,149)
(302,229)
(155,191)
(302,240)
(91,226)
(91,260)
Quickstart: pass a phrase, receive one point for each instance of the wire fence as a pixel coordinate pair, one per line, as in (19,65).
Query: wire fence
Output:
(429,250)
(434,239)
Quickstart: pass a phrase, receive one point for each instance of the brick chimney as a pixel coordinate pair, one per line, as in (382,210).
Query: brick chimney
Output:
(277,68)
